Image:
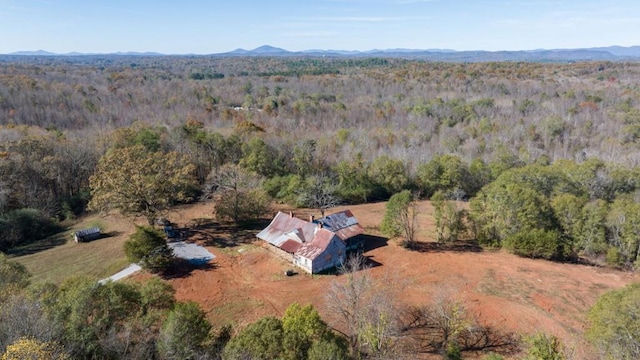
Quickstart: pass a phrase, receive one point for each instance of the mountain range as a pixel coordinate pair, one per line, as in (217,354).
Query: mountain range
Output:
(611,53)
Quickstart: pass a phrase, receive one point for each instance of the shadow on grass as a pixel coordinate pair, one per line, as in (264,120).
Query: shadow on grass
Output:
(456,246)
(39,245)
(107,235)
(183,268)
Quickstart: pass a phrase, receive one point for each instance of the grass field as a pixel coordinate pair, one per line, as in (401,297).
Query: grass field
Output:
(96,259)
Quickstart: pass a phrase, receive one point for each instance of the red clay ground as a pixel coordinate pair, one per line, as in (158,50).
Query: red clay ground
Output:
(503,290)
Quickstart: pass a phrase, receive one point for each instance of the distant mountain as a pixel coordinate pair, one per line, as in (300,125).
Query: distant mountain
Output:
(611,53)
(74,53)
(632,51)
(261,51)
(33,53)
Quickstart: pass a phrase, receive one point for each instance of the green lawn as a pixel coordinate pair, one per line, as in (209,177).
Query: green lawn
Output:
(97,259)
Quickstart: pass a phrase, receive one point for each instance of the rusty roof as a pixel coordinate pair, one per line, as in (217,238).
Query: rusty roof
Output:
(290,246)
(307,239)
(343,223)
(285,227)
(320,242)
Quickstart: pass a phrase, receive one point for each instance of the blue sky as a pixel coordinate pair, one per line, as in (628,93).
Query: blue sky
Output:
(204,27)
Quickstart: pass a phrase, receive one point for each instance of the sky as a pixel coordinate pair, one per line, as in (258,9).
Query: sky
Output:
(215,26)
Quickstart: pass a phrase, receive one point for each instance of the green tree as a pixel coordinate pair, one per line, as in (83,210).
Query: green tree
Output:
(400,217)
(591,239)
(623,222)
(304,157)
(501,210)
(13,277)
(140,183)
(260,158)
(147,247)
(449,218)
(260,340)
(446,173)
(89,313)
(389,174)
(544,347)
(354,184)
(329,347)
(302,327)
(184,332)
(615,329)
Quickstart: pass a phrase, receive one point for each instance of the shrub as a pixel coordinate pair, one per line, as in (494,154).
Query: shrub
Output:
(535,243)
(148,248)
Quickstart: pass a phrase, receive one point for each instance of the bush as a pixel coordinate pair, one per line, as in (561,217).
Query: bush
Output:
(615,329)
(148,248)
(535,243)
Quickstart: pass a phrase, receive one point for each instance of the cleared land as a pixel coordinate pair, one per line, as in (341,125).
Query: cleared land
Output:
(245,281)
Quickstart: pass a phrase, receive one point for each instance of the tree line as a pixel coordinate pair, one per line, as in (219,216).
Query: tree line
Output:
(563,210)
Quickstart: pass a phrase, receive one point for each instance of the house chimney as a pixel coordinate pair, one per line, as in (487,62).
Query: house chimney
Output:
(291,214)
(311,218)
(319,225)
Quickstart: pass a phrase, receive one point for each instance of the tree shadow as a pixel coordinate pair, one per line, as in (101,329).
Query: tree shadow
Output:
(222,235)
(370,263)
(182,268)
(456,246)
(39,245)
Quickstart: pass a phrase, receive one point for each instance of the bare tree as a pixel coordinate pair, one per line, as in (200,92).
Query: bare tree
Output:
(368,310)
(319,192)
(237,192)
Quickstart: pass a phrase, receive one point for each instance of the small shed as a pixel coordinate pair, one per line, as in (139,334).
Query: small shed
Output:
(87,234)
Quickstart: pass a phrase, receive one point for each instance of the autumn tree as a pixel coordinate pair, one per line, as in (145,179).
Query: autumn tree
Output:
(26,348)
(140,183)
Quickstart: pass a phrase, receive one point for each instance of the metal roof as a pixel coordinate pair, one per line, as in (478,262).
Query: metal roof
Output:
(309,239)
(89,231)
(343,223)
(290,246)
(316,247)
(285,227)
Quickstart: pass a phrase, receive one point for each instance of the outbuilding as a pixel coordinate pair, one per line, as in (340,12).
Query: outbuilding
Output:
(87,234)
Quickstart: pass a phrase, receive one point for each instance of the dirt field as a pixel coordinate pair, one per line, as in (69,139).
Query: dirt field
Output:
(246,281)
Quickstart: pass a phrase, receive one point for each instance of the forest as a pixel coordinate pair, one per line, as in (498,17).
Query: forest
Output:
(545,155)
